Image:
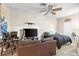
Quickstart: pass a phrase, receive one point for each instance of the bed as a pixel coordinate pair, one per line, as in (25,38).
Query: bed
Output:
(61,39)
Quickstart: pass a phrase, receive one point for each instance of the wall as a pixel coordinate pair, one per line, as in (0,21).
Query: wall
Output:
(60,25)
(74,24)
(17,20)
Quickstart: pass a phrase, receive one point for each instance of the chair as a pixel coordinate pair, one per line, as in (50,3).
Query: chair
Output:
(77,51)
(13,34)
(8,40)
(6,43)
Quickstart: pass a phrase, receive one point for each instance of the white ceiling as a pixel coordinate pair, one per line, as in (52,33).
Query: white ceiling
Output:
(34,8)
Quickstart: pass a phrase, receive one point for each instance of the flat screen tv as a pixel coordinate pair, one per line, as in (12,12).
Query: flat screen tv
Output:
(31,32)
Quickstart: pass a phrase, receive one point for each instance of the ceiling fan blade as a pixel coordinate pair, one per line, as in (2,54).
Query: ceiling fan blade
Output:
(43,4)
(57,9)
(43,11)
(53,13)
(46,13)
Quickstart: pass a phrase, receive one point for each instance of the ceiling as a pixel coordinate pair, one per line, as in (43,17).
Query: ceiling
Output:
(34,8)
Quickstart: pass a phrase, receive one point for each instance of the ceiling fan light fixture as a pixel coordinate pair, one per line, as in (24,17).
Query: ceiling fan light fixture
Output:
(50,7)
(57,9)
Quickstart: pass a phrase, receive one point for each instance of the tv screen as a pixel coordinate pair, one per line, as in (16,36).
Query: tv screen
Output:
(31,32)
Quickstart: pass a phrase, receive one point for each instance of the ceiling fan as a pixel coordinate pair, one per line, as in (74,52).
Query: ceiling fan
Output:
(49,8)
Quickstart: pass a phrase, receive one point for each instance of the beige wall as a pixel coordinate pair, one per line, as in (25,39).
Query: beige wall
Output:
(17,20)
(60,25)
(74,23)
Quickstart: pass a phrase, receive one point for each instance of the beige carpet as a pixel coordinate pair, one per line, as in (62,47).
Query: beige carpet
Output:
(66,50)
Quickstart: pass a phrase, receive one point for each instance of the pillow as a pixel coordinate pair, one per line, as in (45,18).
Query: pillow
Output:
(47,34)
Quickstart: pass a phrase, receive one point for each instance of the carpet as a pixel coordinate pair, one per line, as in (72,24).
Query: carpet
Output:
(68,49)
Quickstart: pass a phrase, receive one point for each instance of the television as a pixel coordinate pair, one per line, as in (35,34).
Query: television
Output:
(31,32)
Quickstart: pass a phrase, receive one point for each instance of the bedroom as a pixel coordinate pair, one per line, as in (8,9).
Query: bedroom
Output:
(65,22)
